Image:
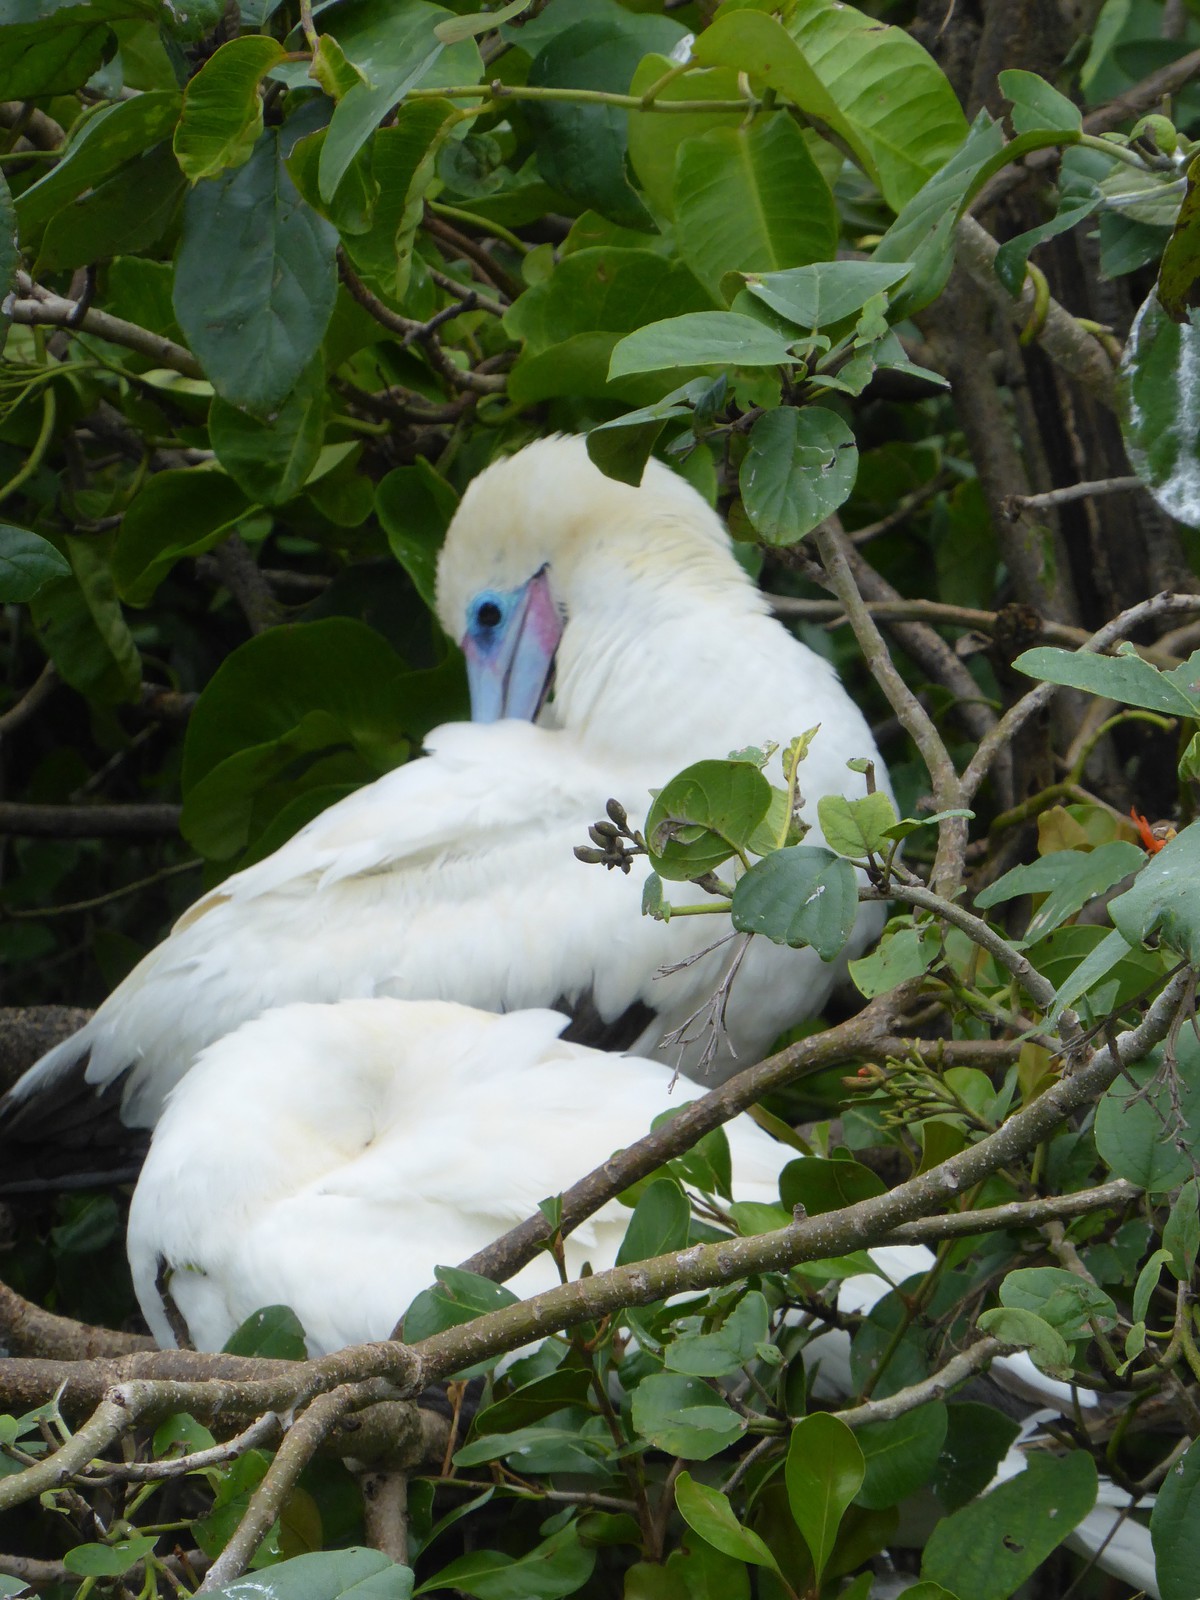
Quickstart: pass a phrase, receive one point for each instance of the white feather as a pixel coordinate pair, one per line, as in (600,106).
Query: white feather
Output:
(329,1157)
(454,877)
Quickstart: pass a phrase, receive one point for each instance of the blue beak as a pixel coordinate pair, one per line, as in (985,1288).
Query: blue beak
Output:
(510,645)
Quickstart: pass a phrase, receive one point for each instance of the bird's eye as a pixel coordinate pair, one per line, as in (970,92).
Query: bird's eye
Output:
(488,614)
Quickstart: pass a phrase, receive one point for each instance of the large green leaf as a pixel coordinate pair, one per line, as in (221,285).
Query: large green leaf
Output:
(655,138)
(83,629)
(978,1437)
(703,815)
(255,280)
(1125,676)
(873,86)
(659,1223)
(799,468)
(751,199)
(604,289)
(824,1471)
(271,461)
(27,563)
(415,506)
(222,111)
(1068,879)
(181,512)
(395,47)
(708,1512)
(1160,408)
(1181,259)
(901,1454)
(989,1548)
(128,212)
(1067,1301)
(684,1416)
(825,293)
(113,136)
(700,339)
(1175,1529)
(48,48)
(1138,1132)
(801,895)
(581,148)
(732,1345)
(560,1566)
(1165,899)
(350,1574)
(820,1185)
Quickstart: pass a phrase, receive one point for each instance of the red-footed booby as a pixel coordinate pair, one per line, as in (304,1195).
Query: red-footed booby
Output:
(328,1157)
(453,877)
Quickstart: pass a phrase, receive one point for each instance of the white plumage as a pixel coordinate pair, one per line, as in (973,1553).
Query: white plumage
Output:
(453,877)
(329,1157)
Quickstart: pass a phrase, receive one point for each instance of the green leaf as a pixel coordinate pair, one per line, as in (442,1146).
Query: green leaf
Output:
(873,86)
(1033,1333)
(222,109)
(1175,1529)
(659,1223)
(48,48)
(271,1331)
(1181,1235)
(1180,270)
(1123,677)
(270,461)
(415,505)
(699,339)
(1036,104)
(181,512)
(709,1513)
(824,1471)
(655,139)
(703,815)
(1165,899)
(1064,1299)
(801,895)
(731,1346)
(683,1416)
(901,1454)
(1137,1137)
(27,563)
(1068,879)
(978,1437)
(827,292)
(821,1185)
(901,954)
(799,468)
(255,280)
(1160,408)
(83,629)
(350,1574)
(1096,964)
(989,1548)
(477,22)
(857,828)
(581,148)
(105,142)
(751,199)
(128,212)
(108,1560)
(559,1566)
(1147,1282)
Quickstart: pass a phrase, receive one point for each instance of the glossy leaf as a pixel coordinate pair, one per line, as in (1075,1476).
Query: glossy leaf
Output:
(799,468)
(990,1547)
(659,1223)
(684,1416)
(977,1439)
(108,1560)
(857,828)
(1068,879)
(1124,677)
(708,1512)
(1165,899)
(703,815)
(271,1332)
(901,1454)
(801,895)
(751,199)
(821,1185)
(1180,270)
(1160,408)
(560,1566)
(222,110)
(827,292)
(699,339)
(1175,1528)
(656,139)
(350,1574)
(824,1471)
(51,49)
(255,280)
(27,563)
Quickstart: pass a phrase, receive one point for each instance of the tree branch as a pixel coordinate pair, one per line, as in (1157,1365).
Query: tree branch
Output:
(89,822)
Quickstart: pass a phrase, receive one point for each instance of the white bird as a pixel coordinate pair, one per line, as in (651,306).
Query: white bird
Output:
(328,1157)
(453,877)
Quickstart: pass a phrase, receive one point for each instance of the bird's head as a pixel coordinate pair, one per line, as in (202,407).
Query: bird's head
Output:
(549,564)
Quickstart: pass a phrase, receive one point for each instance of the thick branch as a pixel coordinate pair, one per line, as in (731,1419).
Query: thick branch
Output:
(89,822)
(52,311)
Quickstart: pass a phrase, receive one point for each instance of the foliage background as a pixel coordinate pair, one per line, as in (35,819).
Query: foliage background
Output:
(277,295)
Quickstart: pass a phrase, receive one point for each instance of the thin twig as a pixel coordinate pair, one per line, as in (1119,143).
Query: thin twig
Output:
(89,822)
(956,1371)
(39,691)
(1077,491)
